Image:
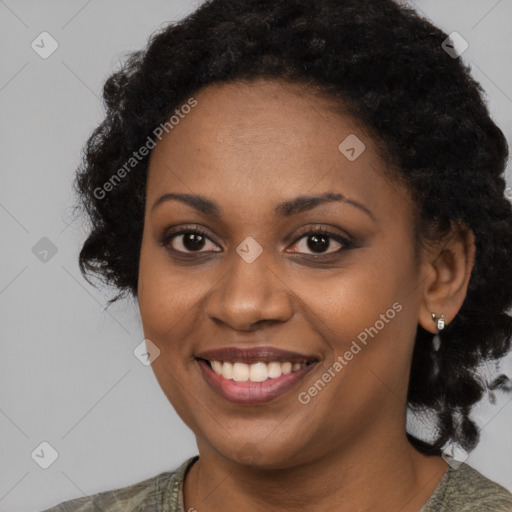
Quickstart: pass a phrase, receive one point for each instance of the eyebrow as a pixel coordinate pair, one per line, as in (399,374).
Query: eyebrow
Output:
(285,209)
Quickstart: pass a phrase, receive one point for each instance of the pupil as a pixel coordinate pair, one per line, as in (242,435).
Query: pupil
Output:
(318,242)
(193,241)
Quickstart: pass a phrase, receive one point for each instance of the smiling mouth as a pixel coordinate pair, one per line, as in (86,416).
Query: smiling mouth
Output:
(253,376)
(256,372)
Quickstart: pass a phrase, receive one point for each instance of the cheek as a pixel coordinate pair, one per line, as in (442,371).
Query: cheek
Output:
(367,315)
(165,295)
(165,304)
(351,299)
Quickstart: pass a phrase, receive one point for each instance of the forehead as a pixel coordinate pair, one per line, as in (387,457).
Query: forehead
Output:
(261,142)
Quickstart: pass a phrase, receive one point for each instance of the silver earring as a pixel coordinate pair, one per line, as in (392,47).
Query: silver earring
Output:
(436,341)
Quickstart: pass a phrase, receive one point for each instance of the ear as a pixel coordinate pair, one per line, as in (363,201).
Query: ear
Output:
(446,271)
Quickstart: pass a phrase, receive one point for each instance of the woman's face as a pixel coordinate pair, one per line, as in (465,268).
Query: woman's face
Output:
(260,171)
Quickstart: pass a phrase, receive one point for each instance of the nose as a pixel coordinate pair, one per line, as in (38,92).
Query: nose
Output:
(248,295)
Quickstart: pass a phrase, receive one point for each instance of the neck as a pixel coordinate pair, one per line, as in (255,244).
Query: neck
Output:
(376,475)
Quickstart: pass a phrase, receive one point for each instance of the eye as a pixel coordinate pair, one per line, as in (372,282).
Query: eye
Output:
(189,241)
(319,241)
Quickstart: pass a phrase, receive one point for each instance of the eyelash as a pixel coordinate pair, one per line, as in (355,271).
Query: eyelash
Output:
(346,243)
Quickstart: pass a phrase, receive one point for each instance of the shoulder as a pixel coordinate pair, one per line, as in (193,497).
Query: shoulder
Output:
(465,490)
(156,494)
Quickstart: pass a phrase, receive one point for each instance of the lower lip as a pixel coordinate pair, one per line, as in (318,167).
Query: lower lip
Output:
(252,393)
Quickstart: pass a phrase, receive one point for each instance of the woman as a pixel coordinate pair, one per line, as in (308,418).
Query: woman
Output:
(308,204)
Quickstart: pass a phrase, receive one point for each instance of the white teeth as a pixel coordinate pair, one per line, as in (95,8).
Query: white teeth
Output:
(240,372)
(287,368)
(257,372)
(217,367)
(227,370)
(274,370)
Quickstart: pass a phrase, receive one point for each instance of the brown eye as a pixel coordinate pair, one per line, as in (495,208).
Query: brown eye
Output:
(319,242)
(189,241)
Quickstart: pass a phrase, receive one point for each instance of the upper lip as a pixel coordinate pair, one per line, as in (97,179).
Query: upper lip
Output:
(254,355)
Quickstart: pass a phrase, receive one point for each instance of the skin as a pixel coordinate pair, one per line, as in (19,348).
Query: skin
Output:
(249,146)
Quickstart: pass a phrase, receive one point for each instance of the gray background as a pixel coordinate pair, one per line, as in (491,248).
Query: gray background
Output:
(68,373)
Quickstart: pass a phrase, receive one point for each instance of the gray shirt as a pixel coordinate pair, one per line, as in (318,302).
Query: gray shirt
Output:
(460,490)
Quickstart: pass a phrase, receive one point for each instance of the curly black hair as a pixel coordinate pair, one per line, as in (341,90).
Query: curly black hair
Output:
(387,64)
